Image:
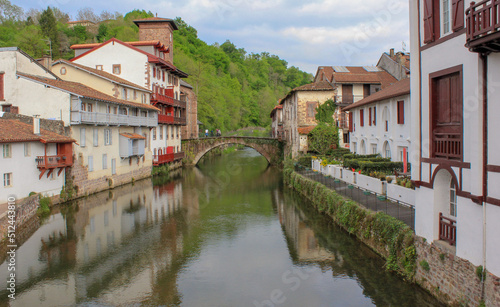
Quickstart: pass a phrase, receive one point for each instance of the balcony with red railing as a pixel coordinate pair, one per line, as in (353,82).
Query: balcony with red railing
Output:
(165,119)
(162,99)
(53,161)
(163,158)
(179,156)
(483,25)
(180,120)
(447,146)
(447,229)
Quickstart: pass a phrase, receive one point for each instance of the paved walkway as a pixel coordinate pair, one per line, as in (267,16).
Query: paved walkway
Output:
(369,200)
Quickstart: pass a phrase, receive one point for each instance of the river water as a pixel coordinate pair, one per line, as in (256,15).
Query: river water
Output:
(227,233)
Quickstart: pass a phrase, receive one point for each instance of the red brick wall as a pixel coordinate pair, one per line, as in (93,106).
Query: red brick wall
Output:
(158,31)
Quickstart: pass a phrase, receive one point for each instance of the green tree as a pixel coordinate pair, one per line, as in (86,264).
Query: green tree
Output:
(323,138)
(48,25)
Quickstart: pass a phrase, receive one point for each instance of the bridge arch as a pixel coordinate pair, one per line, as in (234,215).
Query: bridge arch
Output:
(269,148)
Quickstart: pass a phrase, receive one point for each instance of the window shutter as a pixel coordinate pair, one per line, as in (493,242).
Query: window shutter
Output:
(428,21)
(351,122)
(362,118)
(2,97)
(457,7)
(96,137)
(401,112)
(374,116)
(369,116)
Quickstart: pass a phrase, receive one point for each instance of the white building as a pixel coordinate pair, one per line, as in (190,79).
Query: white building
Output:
(147,63)
(380,123)
(110,132)
(32,160)
(456,168)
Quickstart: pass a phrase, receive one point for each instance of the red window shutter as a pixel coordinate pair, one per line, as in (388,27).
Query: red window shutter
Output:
(374,116)
(163,75)
(401,112)
(2,97)
(351,122)
(154,72)
(428,21)
(369,116)
(362,118)
(457,8)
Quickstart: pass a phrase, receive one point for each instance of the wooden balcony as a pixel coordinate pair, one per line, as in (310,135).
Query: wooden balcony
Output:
(163,99)
(165,119)
(345,100)
(483,24)
(179,156)
(447,146)
(447,229)
(180,121)
(163,158)
(50,163)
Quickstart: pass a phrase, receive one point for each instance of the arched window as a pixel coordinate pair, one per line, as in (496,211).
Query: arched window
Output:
(453,199)
(387,150)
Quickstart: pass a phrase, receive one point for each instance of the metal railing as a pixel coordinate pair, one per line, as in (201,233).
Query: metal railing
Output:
(83,117)
(370,200)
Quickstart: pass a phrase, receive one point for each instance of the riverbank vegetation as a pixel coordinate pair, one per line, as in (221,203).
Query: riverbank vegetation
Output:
(389,237)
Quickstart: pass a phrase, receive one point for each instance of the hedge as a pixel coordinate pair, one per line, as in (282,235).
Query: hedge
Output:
(390,237)
(355,163)
(355,156)
(381,166)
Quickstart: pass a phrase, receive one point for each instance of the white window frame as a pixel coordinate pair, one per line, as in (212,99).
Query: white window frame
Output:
(7,180)
(108,137)
(82,137)
(453,199)
(446,4)
(95,131)
(7,151)
(104,161)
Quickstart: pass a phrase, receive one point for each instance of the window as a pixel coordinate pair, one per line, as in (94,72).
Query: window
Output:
(82,137)
(163,75)
(452,18)
(445,8)
(161,132)
(401,151)
(108,137)
(89,107)
(362,118)
(374,116)
(387,150)
(143,98)
(453,199)
(311,108)
(374,149)
(7,151)
(2,94)
(135,95)
(351,122)
(154,134)
(63,70)
(124,94)
(347,96)
(113,166)
(446,114)
(104,161)
(369,116)
(98,67)
(83,106)
(96,136)
(91,163)
(27,149)
(7,179)
(117,69)
(401,112)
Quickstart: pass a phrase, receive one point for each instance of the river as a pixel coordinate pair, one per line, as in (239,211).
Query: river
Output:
(226,233)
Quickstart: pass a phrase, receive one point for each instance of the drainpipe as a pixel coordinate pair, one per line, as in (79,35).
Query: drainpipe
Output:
(484,61)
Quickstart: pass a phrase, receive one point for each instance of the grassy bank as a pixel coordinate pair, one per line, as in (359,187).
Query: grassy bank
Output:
(389,237)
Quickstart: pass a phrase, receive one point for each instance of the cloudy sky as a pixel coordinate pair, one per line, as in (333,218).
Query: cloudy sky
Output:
(306,34)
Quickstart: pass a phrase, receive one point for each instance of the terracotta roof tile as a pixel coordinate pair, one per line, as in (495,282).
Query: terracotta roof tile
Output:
(136,43)
(399,88)
(102,74)
(133,136)
(357,74)
(12,130)
(315,86)
(305,130)
(85,91)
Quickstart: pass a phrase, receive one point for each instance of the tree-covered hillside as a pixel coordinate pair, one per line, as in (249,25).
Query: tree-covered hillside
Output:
(234,89)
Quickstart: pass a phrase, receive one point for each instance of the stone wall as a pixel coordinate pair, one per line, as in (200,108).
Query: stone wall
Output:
(85,186)
(453,280)
(25,210)
(190,131)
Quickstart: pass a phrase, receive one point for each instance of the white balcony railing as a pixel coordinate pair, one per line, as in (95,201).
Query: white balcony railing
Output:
(82,117)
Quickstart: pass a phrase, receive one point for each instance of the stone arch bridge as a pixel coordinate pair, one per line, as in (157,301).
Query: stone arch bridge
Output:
(195,149)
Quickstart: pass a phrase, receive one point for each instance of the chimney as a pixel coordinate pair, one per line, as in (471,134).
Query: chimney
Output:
(36,125)
(391,52)
(45,61)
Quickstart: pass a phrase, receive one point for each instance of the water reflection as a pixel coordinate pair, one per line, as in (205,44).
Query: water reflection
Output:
(224,234)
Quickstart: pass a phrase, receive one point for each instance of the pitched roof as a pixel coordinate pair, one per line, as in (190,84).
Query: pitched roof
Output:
(12,130)
(133,136)
(185,84)
(278,107)
(85,91)
(315,86)
(305,130)
(355,75)
(155,43)
(397,89)
(102,74)
(151,57)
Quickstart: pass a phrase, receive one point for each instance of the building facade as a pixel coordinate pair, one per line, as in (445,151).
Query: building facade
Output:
(380,123)
(456,163)
(192,128)
(147,63)
(277,122)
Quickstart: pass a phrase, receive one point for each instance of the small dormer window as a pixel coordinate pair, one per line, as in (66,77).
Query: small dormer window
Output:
(117,69)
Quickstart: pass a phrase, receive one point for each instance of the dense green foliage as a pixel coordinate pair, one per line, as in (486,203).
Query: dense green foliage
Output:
(234,89)
(325,111)
(323,137)
(390,237)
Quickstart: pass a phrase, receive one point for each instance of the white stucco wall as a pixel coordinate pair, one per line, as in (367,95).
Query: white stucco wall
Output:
(25,172)
(397,137)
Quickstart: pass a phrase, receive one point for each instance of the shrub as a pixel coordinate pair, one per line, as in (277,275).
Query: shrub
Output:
(323,138)
(44,206)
